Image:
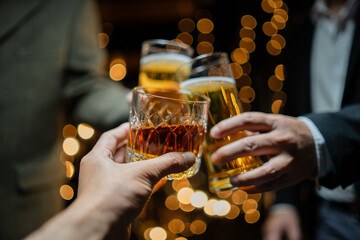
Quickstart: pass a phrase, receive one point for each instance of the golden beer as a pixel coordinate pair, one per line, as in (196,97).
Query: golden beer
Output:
(225,103)
(158,70)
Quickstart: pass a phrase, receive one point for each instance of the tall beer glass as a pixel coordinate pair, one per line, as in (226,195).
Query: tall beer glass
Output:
(163,121)
(210,75)
(159,61)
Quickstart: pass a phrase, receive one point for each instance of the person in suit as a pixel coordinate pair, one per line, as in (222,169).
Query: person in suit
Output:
(323,79)
(111,192)
(49,58)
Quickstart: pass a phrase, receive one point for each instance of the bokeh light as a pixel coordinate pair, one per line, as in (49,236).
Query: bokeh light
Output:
(239,197)
(176,226)
(69,131)
(269,29)
(224,194)
(117,72)
(66,192)
(186,207)
(280,39)
(157,233)
(222,207)
(181,238)
(198,227)
(184,195)
(209,207)
(266,6)
(248,22)
(179,184)
(279,72)
(255,196)
(281,95)
(249,204)
(275,84)
(247,33)
(172,202)
(240,55)
(185,38)
(204,47)
(247,94)
(198,199)
(205,25)
(233,213)
(186,25)
(236,70)
(245,80)
(279,21)
(103,40)
(246,67)
(85,131)
(282,13)
(71,146)
(252,216)
(273,47)
(248,44)
(70,169)
(276,106)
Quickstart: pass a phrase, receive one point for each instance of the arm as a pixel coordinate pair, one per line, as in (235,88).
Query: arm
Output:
(94,98)
(290,145)
(110,194)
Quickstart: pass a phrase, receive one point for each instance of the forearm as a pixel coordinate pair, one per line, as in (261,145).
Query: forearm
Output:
(81,220)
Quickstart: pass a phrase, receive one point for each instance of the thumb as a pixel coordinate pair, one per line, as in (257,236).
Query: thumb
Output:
(166,164)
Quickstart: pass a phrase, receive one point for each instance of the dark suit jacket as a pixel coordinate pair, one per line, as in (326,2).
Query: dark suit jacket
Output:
(48,53)
(341,130)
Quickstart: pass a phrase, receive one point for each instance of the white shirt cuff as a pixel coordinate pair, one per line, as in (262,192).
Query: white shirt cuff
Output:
(322,153)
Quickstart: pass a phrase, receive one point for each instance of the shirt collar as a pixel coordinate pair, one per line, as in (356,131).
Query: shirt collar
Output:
(321,10)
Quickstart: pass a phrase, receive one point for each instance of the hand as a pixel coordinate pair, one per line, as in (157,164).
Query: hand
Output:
(281,223)
(111,194)
(286,141)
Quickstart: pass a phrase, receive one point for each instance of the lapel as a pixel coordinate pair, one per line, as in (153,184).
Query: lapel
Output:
(12,12)
(352,83)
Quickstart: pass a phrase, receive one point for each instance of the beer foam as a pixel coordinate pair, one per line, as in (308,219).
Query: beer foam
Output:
(165,57)
(208,80)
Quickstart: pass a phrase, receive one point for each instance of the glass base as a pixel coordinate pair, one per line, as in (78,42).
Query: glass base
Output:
(220,184)
(133,156)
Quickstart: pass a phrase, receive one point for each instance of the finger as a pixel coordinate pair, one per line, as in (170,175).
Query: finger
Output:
(120,155)
(256,145)
(110,140)
(272,234)
(252,121)
(166,164)
(269,171)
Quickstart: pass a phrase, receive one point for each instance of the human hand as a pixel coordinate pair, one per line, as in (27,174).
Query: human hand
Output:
(285,140)
(121,190)
(281,223)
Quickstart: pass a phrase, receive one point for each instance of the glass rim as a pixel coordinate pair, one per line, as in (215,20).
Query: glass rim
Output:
(168,42)
(202,56)
(205,100)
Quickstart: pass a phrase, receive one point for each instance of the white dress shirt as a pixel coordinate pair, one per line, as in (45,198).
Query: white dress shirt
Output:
(331,47)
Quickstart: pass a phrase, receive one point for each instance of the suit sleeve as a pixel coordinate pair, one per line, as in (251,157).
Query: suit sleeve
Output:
(341,131)
(94,98)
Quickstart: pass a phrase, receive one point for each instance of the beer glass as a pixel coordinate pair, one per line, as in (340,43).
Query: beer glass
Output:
(210,75)
(163,121)
(159,60)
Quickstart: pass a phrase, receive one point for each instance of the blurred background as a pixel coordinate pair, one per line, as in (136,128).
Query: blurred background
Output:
(253,33)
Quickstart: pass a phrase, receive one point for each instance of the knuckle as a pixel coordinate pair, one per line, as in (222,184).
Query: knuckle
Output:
(175,159)
(250,145)
(247,118)
(269,169)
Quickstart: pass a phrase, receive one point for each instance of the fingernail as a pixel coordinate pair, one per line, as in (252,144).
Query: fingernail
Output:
(214,158)
(235,181)
(214,131)
(189,158)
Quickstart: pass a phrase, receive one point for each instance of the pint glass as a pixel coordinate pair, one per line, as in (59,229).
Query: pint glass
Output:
(210,75)
(163,121)
(159,61)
